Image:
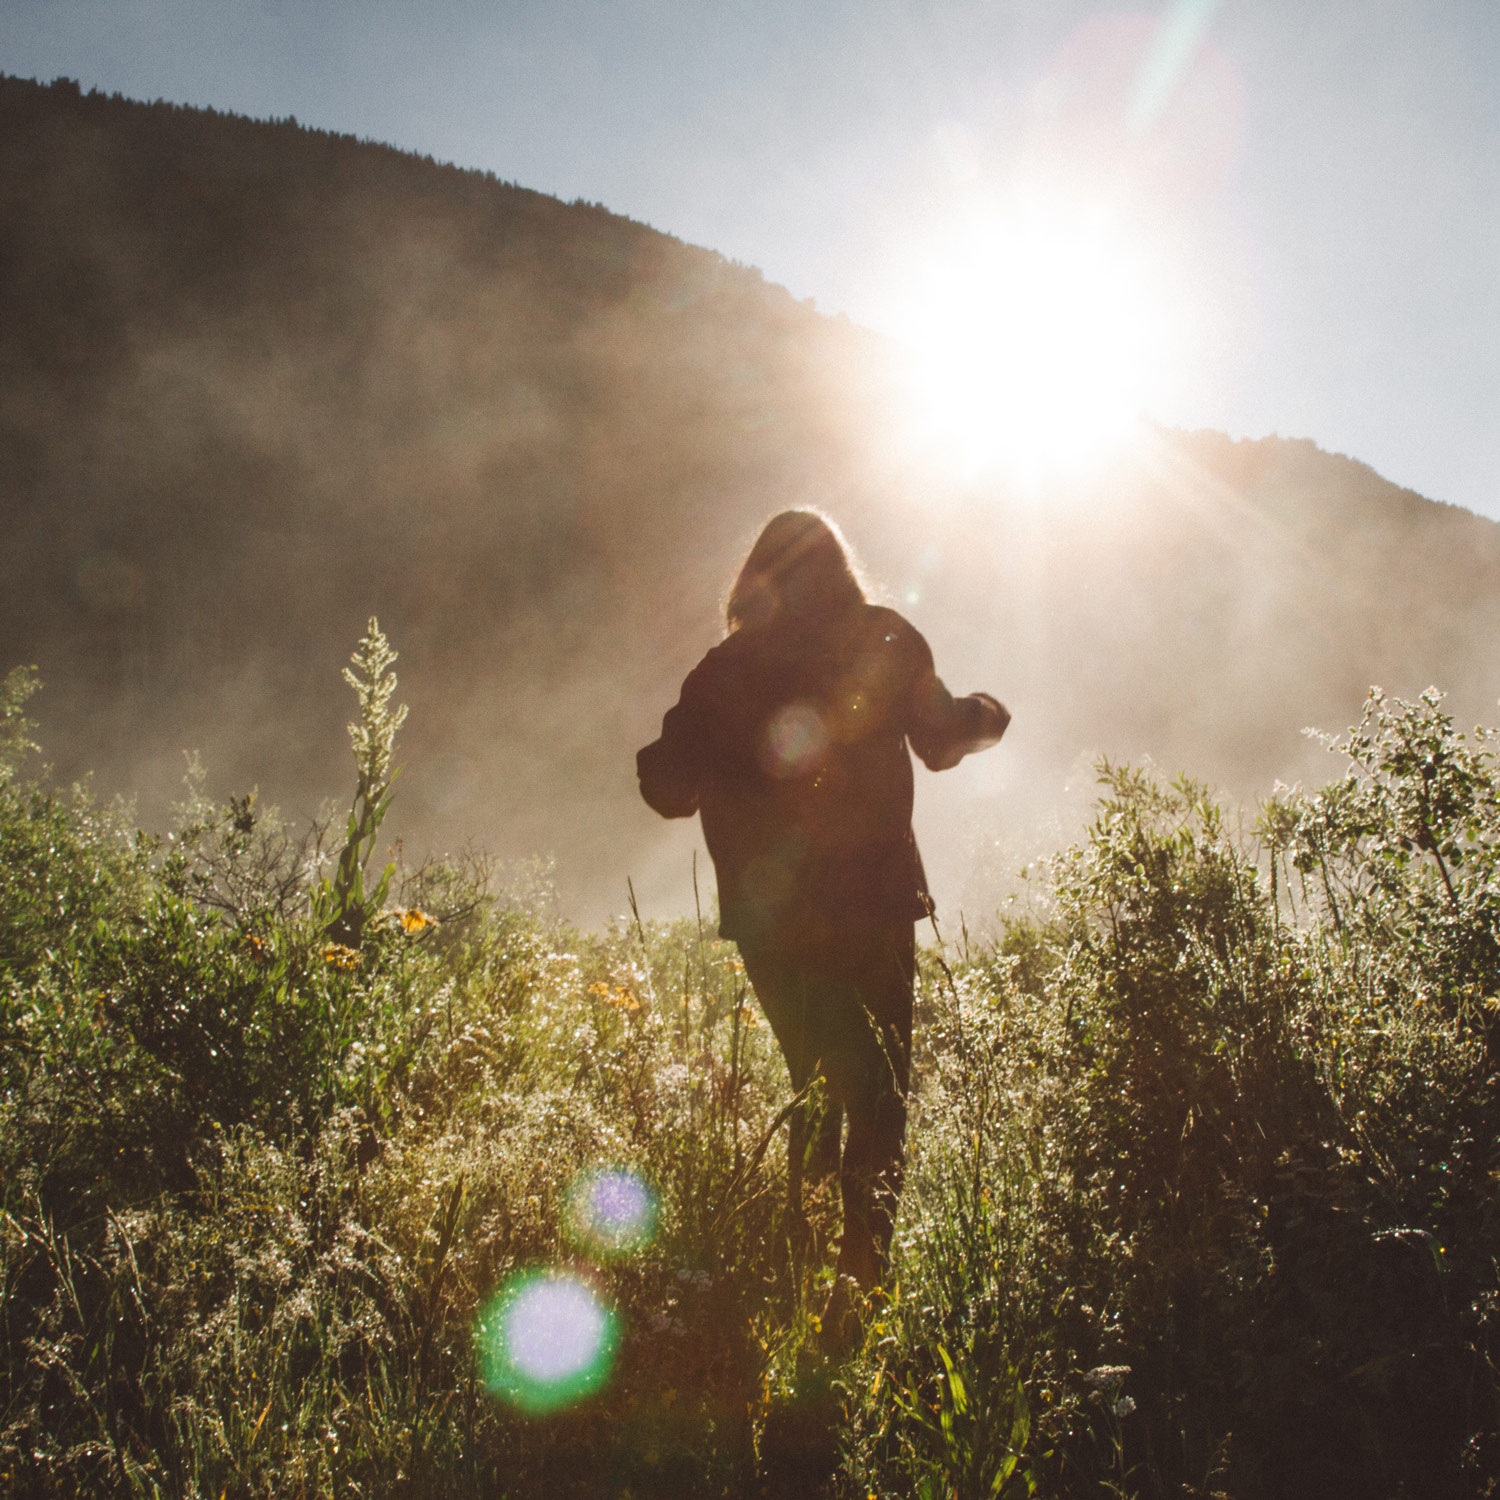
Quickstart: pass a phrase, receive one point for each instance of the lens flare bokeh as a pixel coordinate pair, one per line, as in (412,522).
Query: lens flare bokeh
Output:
(545,1340)
(610,1211)
(794,740)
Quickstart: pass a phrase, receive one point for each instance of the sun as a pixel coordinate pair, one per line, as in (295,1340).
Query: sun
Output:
(1033,339)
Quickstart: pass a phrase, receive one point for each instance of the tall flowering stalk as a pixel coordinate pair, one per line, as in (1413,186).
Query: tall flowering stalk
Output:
(343,903)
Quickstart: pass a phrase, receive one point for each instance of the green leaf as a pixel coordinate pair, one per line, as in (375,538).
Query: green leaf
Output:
(957,1390)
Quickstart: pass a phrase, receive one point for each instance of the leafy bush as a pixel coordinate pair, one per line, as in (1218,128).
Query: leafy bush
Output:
(1206,1156)
(269,1143)
(1200,1198)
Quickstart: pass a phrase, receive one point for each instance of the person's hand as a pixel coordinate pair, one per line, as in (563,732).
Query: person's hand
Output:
(996,721)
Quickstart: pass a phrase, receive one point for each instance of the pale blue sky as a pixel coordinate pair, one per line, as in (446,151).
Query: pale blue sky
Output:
(1335,227)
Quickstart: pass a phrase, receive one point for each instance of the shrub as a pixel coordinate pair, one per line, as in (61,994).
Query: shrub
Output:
(1200,1197)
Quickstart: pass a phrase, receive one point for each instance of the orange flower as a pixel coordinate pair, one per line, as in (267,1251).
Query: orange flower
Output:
(412,920)
(615,995)
(337,956)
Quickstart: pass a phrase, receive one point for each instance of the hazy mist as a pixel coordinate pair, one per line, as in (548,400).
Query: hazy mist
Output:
(257,384)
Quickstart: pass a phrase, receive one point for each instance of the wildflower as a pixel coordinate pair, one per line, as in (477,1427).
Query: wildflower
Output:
(412,920)
(615,995)
(338,956)
(1107,1377)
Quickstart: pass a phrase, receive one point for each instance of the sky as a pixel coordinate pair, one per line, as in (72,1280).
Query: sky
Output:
(1307,194)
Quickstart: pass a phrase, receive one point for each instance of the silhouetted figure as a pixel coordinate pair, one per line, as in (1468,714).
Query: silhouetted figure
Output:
(790,740)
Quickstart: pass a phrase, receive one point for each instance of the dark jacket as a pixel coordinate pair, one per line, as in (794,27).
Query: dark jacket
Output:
(790,740)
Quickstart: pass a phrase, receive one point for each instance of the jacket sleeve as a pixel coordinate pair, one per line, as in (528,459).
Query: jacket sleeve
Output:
(943,729)
(669,768)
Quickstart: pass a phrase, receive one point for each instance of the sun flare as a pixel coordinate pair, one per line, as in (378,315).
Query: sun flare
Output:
(1033,341)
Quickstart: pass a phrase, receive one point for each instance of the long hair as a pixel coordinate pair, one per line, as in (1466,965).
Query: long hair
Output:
(799,566)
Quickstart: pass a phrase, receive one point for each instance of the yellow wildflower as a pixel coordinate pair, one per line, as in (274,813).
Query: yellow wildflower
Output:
(616,996)
(338,956)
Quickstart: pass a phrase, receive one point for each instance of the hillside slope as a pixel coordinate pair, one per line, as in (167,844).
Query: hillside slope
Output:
(257,383)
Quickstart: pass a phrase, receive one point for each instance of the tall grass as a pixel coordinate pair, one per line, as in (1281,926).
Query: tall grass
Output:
(1200,1198)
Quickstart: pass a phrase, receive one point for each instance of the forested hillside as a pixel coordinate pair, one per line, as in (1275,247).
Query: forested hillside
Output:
(258,383)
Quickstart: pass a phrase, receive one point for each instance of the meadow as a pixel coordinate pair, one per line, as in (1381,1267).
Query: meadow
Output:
(1200,1197)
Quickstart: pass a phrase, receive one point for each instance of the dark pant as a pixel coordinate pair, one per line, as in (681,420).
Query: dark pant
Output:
(843,1010)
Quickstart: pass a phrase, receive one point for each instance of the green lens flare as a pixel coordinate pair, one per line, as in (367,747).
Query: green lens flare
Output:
(610,1212)
(545,1340)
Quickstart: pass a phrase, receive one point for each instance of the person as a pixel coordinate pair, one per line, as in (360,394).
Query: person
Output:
(790,741)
